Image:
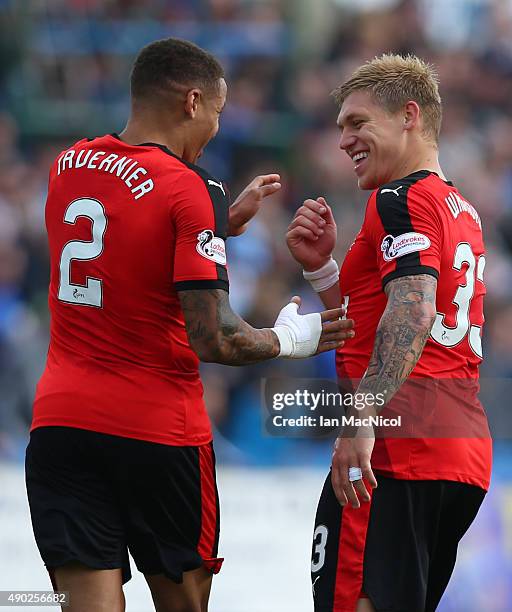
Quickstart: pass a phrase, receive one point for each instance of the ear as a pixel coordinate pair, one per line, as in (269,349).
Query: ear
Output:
(412,115)
(192,101)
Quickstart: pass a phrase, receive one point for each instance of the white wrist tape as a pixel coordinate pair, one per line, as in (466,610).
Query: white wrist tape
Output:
(325,277)
(298,334)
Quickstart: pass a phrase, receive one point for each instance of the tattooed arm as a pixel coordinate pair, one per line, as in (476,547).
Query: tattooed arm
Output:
(401,334)
(217,334)
(400,338)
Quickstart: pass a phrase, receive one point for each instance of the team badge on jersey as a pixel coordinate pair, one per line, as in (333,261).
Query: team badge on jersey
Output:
(211,247)
(393,247)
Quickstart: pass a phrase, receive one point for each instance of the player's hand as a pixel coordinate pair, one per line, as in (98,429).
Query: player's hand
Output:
(353,452)
(249,201)
(302,336)
(334,330)
(312,234)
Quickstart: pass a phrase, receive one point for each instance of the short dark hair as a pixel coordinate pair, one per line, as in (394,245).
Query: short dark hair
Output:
(164,64)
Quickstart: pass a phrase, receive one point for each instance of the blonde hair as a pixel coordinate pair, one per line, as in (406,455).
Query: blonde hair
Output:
(394,80)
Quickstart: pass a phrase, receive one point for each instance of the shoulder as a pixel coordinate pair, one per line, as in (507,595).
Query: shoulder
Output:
(198,171)
(214,186)
(199,179)
(73,148)
(76,145)
(399,190)
(192,176)
(200,194)
(69,151)
(395,201)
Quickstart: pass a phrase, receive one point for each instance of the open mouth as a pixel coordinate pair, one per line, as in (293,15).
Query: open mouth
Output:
(359,159)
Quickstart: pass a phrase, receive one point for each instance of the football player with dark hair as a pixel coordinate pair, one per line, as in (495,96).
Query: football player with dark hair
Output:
(120,456)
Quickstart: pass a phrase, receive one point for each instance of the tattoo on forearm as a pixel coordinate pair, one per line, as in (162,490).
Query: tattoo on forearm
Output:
(216,333)
(402,333)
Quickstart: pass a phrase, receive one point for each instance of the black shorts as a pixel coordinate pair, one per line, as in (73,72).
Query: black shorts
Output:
(399,550)
(93,496)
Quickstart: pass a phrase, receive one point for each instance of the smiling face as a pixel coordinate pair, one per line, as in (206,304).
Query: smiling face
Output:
(376,140)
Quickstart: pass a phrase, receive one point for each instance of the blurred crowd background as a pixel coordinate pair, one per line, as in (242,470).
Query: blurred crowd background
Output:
(64,75)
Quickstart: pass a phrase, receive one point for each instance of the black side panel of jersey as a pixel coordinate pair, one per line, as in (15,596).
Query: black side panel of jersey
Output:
(220,209)
(395,218)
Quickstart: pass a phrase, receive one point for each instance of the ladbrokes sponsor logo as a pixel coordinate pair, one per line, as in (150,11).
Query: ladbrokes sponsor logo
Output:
(211,247)
(393,247)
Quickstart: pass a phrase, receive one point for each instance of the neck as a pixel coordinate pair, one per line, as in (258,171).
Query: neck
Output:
(142,129)
(425,158)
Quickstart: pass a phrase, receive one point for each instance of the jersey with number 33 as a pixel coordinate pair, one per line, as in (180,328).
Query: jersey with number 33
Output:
(421,224)
(128,227)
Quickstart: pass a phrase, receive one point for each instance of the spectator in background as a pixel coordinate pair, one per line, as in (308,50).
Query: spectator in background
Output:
(68,73)
(63,74)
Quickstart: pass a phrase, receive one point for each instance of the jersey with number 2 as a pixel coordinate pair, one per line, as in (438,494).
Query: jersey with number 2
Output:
(422,225)
(129,226)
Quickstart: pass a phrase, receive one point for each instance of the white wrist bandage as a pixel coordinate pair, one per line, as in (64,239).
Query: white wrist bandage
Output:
(325,277)
(298,334)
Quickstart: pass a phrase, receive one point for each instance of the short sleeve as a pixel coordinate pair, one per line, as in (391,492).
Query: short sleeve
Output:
(199,211)
(404,227)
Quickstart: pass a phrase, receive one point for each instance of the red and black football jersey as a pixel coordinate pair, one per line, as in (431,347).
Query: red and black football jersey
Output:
(422,225)
(128,227)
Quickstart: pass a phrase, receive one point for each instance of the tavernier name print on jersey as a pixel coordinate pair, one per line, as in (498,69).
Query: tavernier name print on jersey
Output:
(126,168)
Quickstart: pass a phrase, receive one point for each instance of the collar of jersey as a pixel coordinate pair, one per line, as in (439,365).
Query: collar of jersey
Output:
(426,173)
(145,144)
(159,146)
